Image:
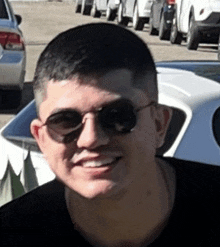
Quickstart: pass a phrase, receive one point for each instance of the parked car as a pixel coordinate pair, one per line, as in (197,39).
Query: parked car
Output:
(161,18)
(191,89)
(105,7)
(136,11)
(12,56)
(98,8)
(83,6)
(78,6)
(197,21)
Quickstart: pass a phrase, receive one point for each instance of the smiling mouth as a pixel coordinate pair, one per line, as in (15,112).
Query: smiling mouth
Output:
(96,163)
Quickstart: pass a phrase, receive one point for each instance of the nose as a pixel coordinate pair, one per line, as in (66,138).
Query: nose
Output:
(92,135)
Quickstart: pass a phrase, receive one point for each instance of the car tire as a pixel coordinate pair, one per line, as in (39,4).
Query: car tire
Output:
(152,29)
(78,7)
(121,20)
(175,35)
(138,23)
(86,9)
(193,37)
(219,48)
(94,12)
(164,34)
(111,14)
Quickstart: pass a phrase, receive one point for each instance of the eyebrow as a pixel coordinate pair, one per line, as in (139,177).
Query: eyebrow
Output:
(65,109)
(59,110)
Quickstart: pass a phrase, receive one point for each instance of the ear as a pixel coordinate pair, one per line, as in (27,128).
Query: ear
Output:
(163,116)
(35,128)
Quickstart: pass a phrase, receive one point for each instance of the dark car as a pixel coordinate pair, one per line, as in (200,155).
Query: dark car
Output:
(161,17)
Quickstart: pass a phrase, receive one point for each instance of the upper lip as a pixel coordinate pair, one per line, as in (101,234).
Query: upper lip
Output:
(89,156)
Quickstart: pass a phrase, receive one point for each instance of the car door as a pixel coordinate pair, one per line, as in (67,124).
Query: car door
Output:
(101,5)
(128,8)
(157,5)
(185,7)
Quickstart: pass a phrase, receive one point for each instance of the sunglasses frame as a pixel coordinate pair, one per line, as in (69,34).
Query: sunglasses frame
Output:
(64,138)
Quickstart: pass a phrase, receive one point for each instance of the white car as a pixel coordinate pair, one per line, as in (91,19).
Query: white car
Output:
(112,9)
(136,11)
(98,8)
(198,21)
(192,89)
(12,57)
(107,7)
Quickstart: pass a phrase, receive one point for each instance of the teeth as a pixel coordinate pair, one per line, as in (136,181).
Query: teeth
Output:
(97,163)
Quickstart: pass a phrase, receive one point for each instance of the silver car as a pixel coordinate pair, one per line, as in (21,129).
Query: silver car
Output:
(105,7)
(136,11)
(12,57)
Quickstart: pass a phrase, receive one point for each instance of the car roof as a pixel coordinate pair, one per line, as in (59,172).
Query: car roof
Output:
(186,86)
(206,68)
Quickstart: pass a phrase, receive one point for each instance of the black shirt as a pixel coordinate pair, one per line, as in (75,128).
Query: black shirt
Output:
(40,217)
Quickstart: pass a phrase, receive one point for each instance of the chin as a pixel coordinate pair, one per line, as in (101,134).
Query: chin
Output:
(97,189)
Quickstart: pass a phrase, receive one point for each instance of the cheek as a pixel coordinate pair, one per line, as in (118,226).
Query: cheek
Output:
(56,154)
(142,140)
(139,150)
(145,136)
(140,145)
(53,153)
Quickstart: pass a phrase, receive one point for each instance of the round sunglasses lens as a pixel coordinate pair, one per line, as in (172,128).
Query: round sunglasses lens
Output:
(120,117)
(73,136)
(64,122)
(62,125)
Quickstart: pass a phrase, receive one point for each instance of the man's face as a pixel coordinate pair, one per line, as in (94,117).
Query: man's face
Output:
(99,163)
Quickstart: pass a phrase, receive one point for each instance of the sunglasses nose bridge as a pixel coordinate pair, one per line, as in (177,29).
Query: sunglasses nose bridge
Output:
(92,134)
(89,115)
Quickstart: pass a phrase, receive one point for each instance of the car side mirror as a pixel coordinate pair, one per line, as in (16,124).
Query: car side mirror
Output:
(19,19)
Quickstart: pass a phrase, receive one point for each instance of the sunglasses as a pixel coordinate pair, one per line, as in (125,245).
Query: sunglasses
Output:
(118,118)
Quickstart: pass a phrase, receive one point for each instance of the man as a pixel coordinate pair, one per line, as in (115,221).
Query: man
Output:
(99,126)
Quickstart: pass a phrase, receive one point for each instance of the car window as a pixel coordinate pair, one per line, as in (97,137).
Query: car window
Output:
(3,10)
(177,121)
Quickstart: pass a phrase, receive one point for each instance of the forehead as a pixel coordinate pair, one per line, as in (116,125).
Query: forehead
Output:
(86,92)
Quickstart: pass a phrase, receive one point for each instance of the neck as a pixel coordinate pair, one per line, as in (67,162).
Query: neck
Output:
(130,219)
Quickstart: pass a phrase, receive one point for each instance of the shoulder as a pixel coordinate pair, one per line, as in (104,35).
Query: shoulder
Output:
(198,185)
(196,173)
(197,202)
(196,181)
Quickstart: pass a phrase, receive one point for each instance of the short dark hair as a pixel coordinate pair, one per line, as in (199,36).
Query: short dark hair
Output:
(92,49)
